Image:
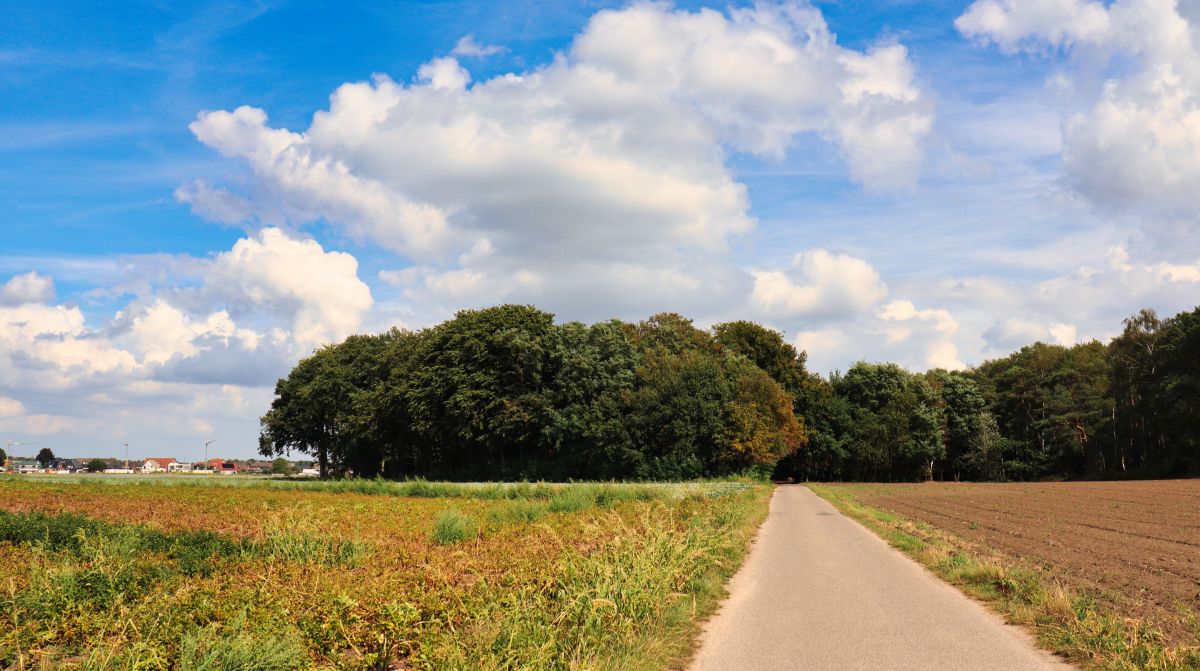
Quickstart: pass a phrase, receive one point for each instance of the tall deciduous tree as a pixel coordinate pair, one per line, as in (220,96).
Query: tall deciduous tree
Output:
(45,457)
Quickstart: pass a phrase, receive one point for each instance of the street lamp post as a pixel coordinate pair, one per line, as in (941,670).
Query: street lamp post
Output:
(8,451)
(206,444)
(126,455)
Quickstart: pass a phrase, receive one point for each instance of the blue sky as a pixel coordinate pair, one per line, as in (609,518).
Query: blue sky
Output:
(934,183)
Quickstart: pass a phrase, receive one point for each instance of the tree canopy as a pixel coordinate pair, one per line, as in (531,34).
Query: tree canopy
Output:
(45,457)
(505,392)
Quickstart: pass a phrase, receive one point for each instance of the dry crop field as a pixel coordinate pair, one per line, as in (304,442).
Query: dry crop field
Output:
(1130,550)
(173,573)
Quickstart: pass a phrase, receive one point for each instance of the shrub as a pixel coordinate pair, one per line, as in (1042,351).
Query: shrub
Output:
(452,527)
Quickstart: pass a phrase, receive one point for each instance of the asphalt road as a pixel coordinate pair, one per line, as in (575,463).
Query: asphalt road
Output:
(819,592)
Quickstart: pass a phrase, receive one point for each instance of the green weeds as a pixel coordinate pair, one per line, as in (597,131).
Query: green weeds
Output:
(452,528)
(288,538)
(294,537)
(604,492)
(630,602)
(605,577)
(210,649)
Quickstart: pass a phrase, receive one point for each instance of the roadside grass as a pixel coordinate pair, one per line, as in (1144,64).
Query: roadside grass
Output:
(631,599)
(1066,622)
(529,576)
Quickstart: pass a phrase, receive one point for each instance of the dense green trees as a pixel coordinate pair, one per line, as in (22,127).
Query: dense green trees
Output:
(1054,403)
(1156,392)
(505,393)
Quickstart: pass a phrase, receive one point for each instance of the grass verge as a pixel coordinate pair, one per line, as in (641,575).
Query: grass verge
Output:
(633,600)
(1065,622)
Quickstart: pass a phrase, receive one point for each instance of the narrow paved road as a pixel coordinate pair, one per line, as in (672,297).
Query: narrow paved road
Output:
(819,592)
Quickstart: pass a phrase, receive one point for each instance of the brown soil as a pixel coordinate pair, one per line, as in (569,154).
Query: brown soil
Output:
(1133,546)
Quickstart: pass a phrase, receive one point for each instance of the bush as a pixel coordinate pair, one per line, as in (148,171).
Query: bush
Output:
(452,527)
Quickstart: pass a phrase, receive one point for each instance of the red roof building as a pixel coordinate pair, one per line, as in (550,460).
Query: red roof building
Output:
(220,466)
(150,464)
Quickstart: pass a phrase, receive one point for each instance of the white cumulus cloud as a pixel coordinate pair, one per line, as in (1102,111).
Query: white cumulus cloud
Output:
(938,328)
(607,169)
(27,288)
(319,291)
(1130,96)
(819,284)
(1029,24)
(10,407)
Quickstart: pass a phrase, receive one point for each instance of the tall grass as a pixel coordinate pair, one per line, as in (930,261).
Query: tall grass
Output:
(519,512)
(209,650)
(604,493)
(294,537)
(287,537)
(452,528)
(630,601)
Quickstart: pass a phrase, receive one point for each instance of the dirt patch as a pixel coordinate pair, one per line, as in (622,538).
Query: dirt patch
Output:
(1133,546)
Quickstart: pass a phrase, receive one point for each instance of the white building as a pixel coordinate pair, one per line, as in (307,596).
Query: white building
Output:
(157,465)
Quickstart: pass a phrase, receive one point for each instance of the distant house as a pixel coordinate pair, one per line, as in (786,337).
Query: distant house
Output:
(62,466)
(21,465)
(157,465)
(177,467)
(220,466)
(251,466)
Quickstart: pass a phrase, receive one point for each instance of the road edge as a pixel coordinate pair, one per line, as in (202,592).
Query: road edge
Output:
(1060,622)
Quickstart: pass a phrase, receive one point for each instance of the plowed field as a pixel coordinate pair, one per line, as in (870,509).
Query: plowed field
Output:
(1134,546)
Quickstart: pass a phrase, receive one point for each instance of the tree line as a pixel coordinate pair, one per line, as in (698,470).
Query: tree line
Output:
(505,393)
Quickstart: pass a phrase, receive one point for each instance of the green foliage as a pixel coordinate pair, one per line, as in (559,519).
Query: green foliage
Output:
(629,601)
(45,456)
(452,528)
(504,393)
(766,349)
(895,434)
(281,466)
(212,649)
(96,465)
(294,538)
(1054,403)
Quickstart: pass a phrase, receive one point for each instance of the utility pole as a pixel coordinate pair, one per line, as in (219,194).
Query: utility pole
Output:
(206,444)
(126,456)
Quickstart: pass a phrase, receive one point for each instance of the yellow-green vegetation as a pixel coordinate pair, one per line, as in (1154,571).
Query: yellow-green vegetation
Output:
(1065,621)
(201,575)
